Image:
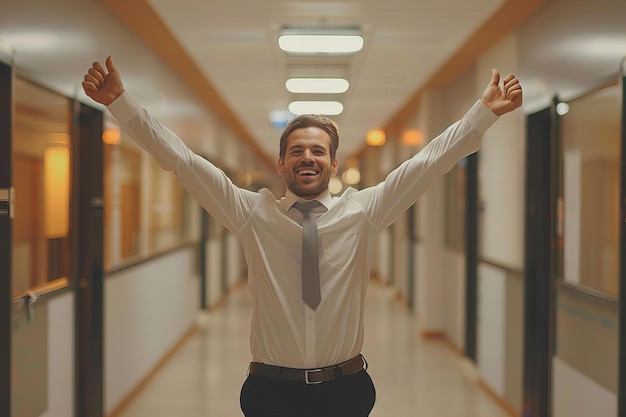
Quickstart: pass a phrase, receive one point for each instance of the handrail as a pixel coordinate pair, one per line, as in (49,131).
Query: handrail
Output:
(592,293)
(508,269)
(41,290)
(140,259)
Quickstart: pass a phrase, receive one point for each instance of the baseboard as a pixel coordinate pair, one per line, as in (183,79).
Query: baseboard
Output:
(433,334)
(497,398)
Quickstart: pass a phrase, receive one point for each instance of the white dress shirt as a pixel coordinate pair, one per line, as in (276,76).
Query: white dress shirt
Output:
(284,330)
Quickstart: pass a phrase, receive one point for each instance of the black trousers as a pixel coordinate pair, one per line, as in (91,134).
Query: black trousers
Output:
(348,396)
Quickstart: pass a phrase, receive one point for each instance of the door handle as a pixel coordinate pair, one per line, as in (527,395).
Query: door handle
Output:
(29,304)
(29,297)
(7,198)
(28,300)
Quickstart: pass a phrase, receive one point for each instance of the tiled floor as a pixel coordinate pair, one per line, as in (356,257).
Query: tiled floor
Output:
(413,377)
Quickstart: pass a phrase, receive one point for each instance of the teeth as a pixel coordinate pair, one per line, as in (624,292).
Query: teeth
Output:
(307,172)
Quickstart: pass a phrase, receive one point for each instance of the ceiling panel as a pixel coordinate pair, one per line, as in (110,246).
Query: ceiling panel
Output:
(235,44)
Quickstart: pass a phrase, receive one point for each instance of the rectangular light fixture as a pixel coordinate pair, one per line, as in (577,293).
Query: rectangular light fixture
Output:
(342,39)
(321,44)
(317,85)
(328,108)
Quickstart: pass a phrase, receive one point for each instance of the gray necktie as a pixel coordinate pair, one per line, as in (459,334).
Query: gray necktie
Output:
(310,258)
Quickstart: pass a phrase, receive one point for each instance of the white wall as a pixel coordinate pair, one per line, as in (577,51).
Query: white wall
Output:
(214,272)
(440,277)
(576,395)
(491,331)
(400,256)
(382,261)
(60,356)
(430,289)
(453,277)
(147,309)
(236,263)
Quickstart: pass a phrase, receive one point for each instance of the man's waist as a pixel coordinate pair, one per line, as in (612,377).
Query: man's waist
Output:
(309,376)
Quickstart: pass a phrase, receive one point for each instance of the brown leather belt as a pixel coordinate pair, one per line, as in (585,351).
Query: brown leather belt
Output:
(309,376)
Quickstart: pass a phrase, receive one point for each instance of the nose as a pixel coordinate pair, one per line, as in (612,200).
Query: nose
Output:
(307,155)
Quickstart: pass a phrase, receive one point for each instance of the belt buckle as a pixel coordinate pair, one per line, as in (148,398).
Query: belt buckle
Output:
(306,376)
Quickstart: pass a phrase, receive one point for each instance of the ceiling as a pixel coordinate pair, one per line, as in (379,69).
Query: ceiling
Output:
(228,51)
(225,53)
(235,44)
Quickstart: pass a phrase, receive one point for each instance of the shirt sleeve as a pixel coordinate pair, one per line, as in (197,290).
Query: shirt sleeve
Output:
(386,201)
(229,204)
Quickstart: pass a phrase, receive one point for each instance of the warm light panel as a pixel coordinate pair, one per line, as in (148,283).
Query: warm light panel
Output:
(111,136)
(56,188)
(413,137)
(376,137)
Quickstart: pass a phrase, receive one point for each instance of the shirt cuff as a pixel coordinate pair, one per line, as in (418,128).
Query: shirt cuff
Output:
(124,108)
(481,117)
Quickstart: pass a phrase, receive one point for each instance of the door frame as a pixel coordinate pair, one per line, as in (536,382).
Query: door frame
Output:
(88,213)
(471,257)
(621,390)
(6,223)
(539,292)
(412,242)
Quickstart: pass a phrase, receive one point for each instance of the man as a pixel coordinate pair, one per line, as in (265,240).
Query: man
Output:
(308,253)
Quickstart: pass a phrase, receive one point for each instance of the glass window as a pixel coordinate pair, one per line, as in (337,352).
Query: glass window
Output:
(455,206)
(588,201)
(41,177)
(164,209)
(146,210)
(122,192)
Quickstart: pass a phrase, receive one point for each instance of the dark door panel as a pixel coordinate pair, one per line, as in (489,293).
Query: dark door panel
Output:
(5,237)
(89,245)
(538,272)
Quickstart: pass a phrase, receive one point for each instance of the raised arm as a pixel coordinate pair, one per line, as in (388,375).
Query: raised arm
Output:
(403,186)
(103,86)
(209,185)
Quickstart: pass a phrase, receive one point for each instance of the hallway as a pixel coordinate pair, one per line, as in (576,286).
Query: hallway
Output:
(413,377)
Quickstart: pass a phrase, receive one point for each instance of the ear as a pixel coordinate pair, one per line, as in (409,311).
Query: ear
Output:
(280,166)
(334,166)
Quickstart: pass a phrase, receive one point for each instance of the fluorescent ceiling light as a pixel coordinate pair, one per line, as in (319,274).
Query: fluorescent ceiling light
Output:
(329,108)
(321,44)
(317,85)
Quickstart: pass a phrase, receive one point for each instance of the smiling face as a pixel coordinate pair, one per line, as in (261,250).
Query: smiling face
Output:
(307,164)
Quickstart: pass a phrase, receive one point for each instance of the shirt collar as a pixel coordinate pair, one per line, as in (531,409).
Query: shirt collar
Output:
(290,198)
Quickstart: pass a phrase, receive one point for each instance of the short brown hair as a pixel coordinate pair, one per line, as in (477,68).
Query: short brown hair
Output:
(311,120)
